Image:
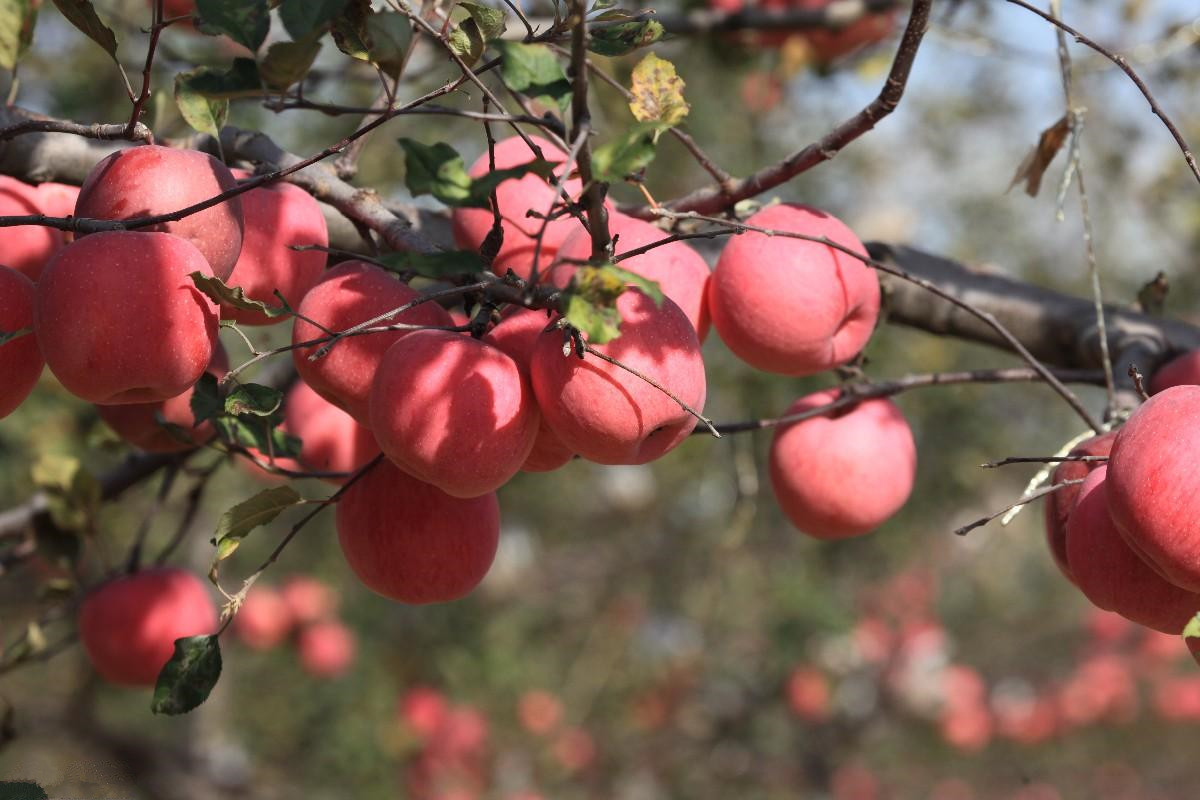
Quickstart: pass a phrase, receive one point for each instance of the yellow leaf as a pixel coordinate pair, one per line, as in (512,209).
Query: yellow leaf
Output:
(657,92)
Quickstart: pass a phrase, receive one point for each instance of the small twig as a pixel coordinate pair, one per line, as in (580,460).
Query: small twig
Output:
(1004,462)
(1138,383)
(581,123)
(112,131)
(139,103)
(1045,490)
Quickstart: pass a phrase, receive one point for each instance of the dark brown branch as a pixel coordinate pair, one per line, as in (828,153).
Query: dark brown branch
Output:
(1045,490)
(581,122)
(113,131)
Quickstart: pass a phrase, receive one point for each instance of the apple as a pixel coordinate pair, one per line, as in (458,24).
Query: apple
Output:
(333,440)
(56,199)
(410,541)
(347,295)
(308,599)
(1153,486)
(138,424)
(843,474)
(1059,504)
(516,197)
(151,180)
(326,649)
(574,749)
(20,359)
(1183,370)
(516,334)
(264,620)
(681,273)
(453,411)
(793,306)
(539,711)
(119,320)
(609,415)
(25,248)
(1111,574)
(423,710)
(128,626)
(808,694)
(278,216)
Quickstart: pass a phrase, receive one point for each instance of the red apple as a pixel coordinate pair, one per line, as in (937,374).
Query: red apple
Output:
(1183,370)
(333,440)
(20,359)
(681,273)
(352,293)
(412,542)
(843,474)
(530,193)
(25,248)
(609,415)
(278,216)
(151,180)
(1153,485)
(308,599)
(1111,574)
(1059,504)
(326,649)
(264,620)
(56,199)
(453,411)
(516,334)
(138,424)
(128,626)
(808,694)
(119,320)
(424,711)
(539,711)
(793,306)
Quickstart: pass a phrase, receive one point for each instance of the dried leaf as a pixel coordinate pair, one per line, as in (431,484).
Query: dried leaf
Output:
(1035,164)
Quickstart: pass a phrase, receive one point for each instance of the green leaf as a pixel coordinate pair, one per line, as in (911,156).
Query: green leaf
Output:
(439,170)
(233,296)
(350,32)
(601,5)
(240,80)
(17,18)
(466,41)
(236,523)
(301,18)
(390,35)
(204,114)
(253,398)
(490,21)
(629,153)
(206,399)
(657,92)
(245,21)
(649,287)
(6,337)
(82,15)
(261,433)
(625,37)
(74,492)
(534,70)
(600,324)
(189,677)
(1192,629)
(434,265)
(287,62)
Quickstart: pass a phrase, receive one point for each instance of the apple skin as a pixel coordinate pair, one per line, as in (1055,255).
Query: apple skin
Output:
(1111,575)
(278,216)
(333,440)
(308,599)
(792,306)
(347,295)
(843,476)
(264,620)
(1182,370)
(1153,484)
(471,225)
(137,423)
(149,180)
(516,334)
(56,199)
(605,413)
(410,541)
(453,411)
(1059,504)
(25,248)
(21,360)
(119,320)
(680,271)
(326,649)
(128,626)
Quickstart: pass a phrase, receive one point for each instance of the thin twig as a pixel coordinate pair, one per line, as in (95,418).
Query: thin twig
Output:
(1045,490)
(1004,462)
(605,357)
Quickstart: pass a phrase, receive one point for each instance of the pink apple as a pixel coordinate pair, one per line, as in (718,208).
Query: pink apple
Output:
(808,694)
(119,320)
(264,620)
(151,180)
(843,474)
(308,599)
(453,411)
(333,440)
(326,649)
(351,293)
(128,626)
(423,710)
(278,216)
(1183,370)
(681,273)
(25,248)
(56,199)
(410,541)
(793,306)
(20,359)
(1059,504)
(605,413)
(539,711)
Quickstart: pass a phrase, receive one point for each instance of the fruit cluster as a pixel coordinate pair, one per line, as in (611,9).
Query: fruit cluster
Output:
(304,610)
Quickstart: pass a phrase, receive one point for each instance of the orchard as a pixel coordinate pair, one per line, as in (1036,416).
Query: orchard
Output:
(542,399)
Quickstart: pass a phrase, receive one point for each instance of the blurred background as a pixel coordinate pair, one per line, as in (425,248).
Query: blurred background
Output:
(661,631)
